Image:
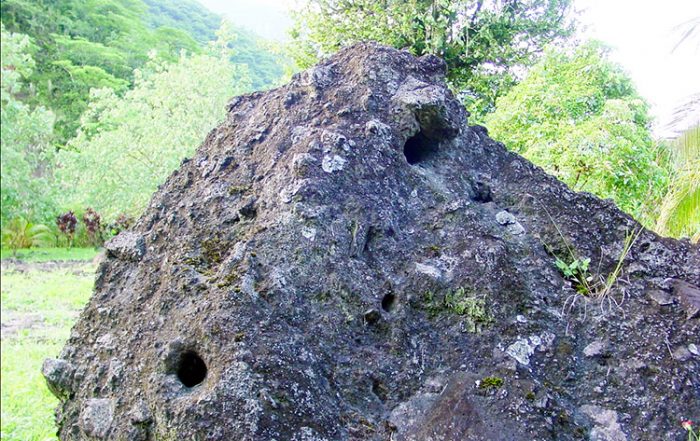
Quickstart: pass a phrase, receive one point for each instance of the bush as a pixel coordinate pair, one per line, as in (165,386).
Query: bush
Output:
(93,226)
(578,116)
(66,224)
(20,233)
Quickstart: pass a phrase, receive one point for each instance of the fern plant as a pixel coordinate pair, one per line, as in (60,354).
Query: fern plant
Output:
(20,233)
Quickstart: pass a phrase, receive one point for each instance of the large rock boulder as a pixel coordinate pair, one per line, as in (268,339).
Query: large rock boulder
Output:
(344,258)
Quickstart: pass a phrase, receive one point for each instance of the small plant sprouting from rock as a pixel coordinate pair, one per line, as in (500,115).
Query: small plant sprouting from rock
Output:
(577,272)
(460,302)
(237,189)
(692,434)
(490,383)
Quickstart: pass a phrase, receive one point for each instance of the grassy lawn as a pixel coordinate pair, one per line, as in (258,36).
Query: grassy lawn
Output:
(50,254)
(40,302)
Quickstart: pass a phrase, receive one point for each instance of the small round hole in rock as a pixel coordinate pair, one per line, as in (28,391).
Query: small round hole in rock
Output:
(388,302)
(191,369)
(419,148)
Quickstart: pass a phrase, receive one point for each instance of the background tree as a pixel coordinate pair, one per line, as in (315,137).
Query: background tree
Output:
(94,44)
(578,116)
(484,42)
(25,136)
(127,146)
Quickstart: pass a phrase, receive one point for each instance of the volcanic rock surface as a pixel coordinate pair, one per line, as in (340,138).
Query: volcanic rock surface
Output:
(344,258)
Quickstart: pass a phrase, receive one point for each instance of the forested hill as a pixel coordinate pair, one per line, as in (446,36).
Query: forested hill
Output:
(80,45)
(265,66)
(186,15)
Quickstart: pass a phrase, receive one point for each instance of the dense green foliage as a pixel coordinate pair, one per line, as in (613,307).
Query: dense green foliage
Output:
(87,44)
(680,208)
(91,87)
(186,15)
(82,45)
(484,42)
(24,138)
(127,146)
(578,116)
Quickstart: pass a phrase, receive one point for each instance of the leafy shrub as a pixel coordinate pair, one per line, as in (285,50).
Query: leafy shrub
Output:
(128,144)
(93,225)
(66,224)
(20,233)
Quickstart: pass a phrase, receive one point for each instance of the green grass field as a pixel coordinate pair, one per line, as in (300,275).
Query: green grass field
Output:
(41,299)
(49,254)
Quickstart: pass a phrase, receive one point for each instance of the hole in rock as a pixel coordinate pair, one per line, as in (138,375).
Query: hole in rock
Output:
(388,302)
(419,148)
(379,390)
(482,192)
(191,369)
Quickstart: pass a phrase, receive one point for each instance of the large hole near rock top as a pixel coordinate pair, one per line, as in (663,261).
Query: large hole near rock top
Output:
(419,148)
(191,369)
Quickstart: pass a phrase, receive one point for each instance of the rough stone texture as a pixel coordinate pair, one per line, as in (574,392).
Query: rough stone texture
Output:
(606,426)
(58,374)
(689,296)
(96,417)
(126,246)
(309,275)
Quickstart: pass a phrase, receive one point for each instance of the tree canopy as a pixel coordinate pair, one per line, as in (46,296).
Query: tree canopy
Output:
(484,42)
(25,136)
(127,146)
(81,45)
(577,115)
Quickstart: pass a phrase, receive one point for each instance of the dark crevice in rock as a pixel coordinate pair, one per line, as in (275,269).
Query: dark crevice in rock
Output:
(482,192)
(372,234)
(388,302)
(379,390)
(419,148)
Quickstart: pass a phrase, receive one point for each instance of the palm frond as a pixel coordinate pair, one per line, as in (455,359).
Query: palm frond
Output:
(689,30)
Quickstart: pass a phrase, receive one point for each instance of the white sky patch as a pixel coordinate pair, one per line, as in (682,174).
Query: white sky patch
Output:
(268,18)
(643,34)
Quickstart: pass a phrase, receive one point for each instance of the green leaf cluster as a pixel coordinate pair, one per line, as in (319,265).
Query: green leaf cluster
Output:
(576,270)
(19,233)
